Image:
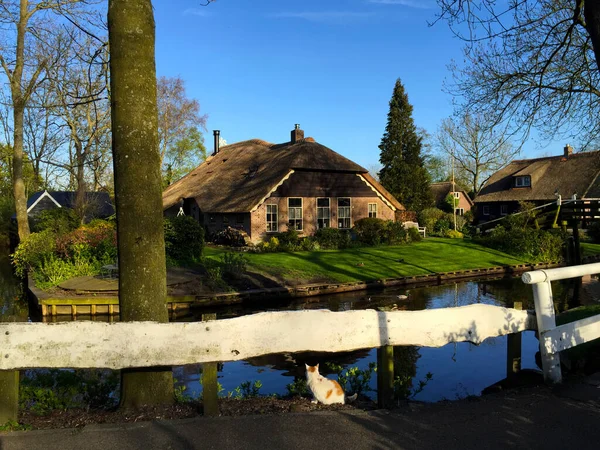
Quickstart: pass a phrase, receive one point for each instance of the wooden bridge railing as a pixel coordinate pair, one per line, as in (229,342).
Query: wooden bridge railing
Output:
(554,339)
(146,344)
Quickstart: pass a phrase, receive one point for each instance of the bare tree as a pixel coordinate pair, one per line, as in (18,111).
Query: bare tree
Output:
(179,138)
(477,149)
(529,63)
(138,190)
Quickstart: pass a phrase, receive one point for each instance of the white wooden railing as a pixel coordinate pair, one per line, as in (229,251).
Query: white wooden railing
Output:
(554,339)
(145,344)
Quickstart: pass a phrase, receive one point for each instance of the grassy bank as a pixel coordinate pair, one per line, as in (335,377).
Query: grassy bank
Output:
(431,255)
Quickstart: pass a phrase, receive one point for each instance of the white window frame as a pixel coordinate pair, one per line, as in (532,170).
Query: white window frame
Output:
(456,194)
(460,211)
(343,208)
(485,210)
(295,211)
(372,210)
(523,181)
(271,222)
(504,210)
(323,211)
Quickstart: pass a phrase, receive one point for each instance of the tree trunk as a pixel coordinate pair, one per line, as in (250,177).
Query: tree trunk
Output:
(138,193)
(591,12)
(18,113)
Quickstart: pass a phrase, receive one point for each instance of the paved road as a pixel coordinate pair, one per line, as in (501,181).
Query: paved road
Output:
(531,418)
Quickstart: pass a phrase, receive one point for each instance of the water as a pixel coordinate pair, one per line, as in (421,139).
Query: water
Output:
(458,370)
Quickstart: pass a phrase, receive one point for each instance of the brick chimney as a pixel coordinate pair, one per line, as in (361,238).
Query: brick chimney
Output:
(568,150)
(297,134)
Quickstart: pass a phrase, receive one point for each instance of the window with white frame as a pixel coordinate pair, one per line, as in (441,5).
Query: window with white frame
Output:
(323,213)
(486,210)
(344,213)
(373,210)
(271,218)
(457,195)
(460,211)
(524,181)
(295,214)
(503,210)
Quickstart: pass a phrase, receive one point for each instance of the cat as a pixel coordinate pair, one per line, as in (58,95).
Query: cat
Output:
(323,389)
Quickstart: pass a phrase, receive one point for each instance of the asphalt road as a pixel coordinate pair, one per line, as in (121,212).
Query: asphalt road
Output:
(530,418)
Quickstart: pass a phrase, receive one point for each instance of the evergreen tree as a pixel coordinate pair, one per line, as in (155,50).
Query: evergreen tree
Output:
(403,172)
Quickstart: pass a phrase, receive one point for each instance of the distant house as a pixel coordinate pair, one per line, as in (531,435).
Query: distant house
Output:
(440,191)
(264,188)
(539,181)
(97,204)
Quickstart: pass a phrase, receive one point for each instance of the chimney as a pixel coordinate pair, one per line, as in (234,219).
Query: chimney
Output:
(297,134)
(216,135)
(568,150)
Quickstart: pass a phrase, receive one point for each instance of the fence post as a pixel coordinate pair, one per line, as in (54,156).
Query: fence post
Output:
(9,396)
(385,376)
(513,350)
(210,390)
(544,313)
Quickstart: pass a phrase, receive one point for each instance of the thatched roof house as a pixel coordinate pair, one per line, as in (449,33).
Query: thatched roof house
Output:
(262,188)
(539,181)
(440,191)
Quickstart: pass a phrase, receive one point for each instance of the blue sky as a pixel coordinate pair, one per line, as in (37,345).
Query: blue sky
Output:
(258,67)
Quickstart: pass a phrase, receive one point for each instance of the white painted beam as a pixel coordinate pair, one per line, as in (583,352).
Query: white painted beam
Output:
(85,344)
(560,273)
(571,334)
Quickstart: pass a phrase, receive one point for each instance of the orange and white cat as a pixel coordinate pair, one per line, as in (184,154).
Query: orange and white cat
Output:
(323,389)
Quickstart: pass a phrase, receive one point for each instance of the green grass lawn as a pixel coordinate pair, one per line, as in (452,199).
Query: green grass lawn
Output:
(589,249)
(372,263)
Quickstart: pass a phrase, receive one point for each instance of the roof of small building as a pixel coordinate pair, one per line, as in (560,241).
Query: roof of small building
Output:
(66,199)
(567,175)
(441,190)
(242,175)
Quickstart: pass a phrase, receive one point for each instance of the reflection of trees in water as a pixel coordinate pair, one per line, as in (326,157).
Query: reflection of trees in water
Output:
(405,369)
(13,303)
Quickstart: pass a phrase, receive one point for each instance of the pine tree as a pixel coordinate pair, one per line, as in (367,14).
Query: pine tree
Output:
(403,172)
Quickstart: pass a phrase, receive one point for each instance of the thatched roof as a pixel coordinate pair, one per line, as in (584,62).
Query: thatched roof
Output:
(241,175)
(577,173)
(441,190)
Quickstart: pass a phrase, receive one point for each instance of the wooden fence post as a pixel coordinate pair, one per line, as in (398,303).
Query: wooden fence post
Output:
(385,376)
(513,350)
(9,396)
(544,313)
(210,389)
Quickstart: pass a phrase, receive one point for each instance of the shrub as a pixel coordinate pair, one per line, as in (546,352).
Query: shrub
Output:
(58,220)
(33,250)
(99,239)
(414,235)
(309,244)
(370,231)
(234,263)
(443,225)
(453,234)
(332,238)
(184,239)
(288,239)
(395,233)
(231,237)
(533,244)
(429,217)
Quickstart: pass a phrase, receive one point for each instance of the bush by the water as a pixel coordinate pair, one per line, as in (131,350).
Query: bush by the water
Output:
(529,243)
(51,258)
(184,239)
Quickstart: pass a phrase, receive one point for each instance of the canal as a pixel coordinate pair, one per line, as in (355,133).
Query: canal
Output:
(458,370)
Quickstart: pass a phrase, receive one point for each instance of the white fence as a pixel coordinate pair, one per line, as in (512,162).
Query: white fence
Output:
(146,344)
(554,339)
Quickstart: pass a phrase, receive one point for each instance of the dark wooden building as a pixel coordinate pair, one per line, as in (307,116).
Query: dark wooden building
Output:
(97,204)
(264,188)
(539,181)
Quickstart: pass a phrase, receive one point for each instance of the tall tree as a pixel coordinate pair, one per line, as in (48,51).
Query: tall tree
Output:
(403,172)
(529,63)
(478,150)
(138,190)
(179,122)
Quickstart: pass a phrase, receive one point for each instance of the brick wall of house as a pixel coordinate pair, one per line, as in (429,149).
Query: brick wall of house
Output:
(359,207)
